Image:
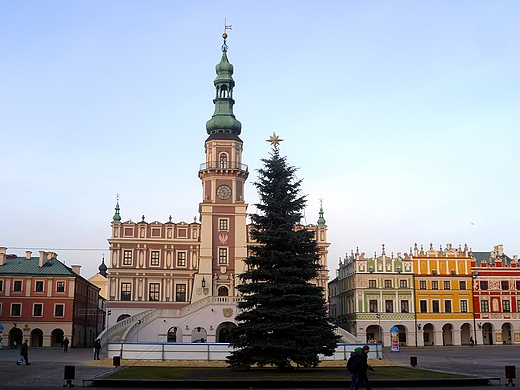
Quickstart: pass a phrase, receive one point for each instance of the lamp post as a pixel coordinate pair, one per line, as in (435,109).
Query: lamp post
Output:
(378,316)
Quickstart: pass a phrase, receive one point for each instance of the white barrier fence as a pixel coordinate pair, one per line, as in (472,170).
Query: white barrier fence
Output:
(207,351)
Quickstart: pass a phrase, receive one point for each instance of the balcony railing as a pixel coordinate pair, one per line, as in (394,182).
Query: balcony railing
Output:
(223,165)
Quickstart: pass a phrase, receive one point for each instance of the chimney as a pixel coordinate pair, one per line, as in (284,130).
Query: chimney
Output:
(500,249)
(3,249)
(76,269)
(43,258)
(28,255)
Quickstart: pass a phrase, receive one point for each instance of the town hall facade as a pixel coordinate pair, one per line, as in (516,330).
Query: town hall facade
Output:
(176,281)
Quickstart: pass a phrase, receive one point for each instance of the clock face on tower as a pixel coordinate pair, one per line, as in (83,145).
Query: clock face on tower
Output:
(224,192)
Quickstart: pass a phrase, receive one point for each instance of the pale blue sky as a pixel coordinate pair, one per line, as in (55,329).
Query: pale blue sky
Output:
(402,115)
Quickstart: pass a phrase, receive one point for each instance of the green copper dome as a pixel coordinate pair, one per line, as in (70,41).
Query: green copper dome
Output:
(223,119)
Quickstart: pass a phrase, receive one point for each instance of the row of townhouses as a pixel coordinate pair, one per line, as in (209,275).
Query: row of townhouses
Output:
(449,296)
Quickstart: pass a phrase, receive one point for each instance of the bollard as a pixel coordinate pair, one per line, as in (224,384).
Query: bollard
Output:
(413,361)
(510,374)
(116,360)
(69,374)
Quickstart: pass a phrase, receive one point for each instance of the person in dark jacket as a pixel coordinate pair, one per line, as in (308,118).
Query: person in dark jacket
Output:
(361,369)
(97,349)
(24,351)
(66,344)
(351,366)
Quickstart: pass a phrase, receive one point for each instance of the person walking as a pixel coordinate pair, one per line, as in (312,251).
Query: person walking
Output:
(471,342)
(361,369)
(97,349)
(24,351)
(351,366)
(66,344)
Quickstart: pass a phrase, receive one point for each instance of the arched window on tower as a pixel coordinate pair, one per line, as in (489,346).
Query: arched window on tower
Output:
(223,92)
(223,160)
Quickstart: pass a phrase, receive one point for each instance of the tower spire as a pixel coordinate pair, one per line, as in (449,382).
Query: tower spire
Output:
(321,220)
(223,123)
(117,217)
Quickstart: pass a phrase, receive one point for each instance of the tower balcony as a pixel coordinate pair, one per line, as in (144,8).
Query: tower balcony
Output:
(218,165)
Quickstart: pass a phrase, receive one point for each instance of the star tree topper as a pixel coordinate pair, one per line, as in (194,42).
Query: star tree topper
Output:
(274,140)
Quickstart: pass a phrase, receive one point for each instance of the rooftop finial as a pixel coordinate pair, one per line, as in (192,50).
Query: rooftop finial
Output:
(224,35)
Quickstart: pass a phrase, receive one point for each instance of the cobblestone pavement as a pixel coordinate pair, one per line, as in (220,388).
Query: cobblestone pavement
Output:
(47,364)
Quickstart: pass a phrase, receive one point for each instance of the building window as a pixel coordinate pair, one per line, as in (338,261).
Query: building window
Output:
(16,309)
(423,306)
(447,285)
(126,291)
(60,286)
(505,285)
(372,284)
(222,224)
(127,257)
(154,291)
(154,260)
(17,286)
(181,259)
(372,306)
(517,285)
(463,306)
(38,286)
(403,283)
(447,306)
(37,310)
(484,306)
(222,256)
(422,285)
(506,306)
(435,306)
(180,293)
(389,306)
(405,308)
(58,310)
(435,285)
(1,285)
(388,283)
(462,285)
(483,285)
(223,160)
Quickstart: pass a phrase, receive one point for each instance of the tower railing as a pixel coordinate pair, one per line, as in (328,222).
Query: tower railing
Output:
(223,165)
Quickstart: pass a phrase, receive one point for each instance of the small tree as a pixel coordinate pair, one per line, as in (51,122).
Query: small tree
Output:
(283,318)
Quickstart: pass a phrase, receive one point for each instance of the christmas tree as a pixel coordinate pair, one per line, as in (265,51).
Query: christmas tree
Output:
(283,319)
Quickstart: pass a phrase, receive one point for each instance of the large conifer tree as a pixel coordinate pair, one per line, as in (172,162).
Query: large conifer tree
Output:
(282,320)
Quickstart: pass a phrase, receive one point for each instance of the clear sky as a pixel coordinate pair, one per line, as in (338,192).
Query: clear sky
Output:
(403,116)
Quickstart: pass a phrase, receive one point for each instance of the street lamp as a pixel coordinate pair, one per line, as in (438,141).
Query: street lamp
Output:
(378,316)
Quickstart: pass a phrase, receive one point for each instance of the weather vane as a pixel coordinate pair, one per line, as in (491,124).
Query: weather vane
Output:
(117,196)
(274,140)
(224,35)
